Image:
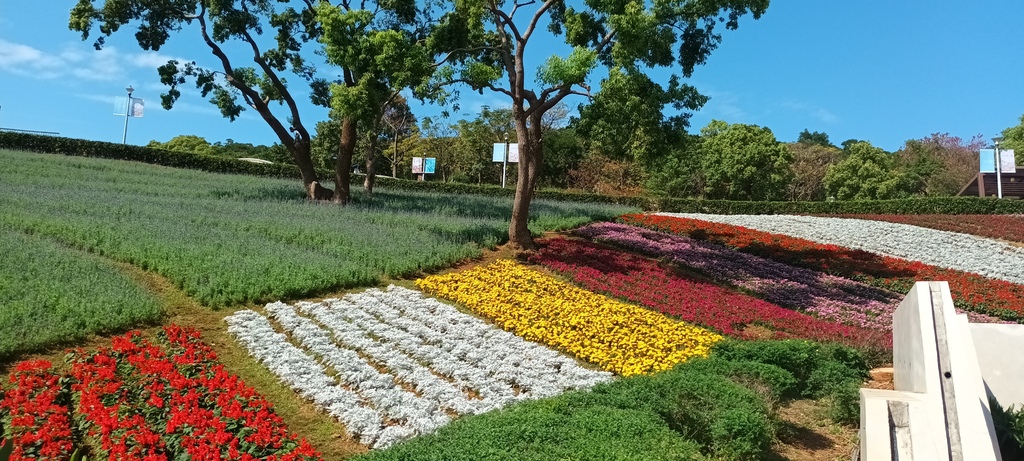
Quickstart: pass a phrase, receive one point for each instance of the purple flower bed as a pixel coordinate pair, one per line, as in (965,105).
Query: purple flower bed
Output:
(827,296)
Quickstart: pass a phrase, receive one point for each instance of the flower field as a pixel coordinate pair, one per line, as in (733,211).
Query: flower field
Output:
(145,401)
(392,364)
(619,337)
(950,250)
(647,283)
(971,292)
(1004,227)
(826,296)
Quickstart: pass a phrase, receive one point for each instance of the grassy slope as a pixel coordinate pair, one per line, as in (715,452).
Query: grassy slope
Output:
(52,294)
(234,239)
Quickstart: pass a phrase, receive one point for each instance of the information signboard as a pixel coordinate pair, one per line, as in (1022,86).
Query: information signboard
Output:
(417,165)
(428,165)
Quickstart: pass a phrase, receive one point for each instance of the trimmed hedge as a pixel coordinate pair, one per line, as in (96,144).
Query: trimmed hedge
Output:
(930,205)
(923,205)
(99,149)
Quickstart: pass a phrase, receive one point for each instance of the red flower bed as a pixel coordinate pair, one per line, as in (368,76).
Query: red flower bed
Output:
(40,420)
(645,282)
(1006,227)
(145,401)
(970,291)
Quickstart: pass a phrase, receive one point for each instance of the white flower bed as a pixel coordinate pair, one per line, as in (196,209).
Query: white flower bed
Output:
(950,250)
(403,363)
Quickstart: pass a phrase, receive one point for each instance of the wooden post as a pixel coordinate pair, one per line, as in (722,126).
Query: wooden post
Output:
(981,184)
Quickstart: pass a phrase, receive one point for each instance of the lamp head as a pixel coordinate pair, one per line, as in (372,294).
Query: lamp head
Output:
(129,90)
(997,140)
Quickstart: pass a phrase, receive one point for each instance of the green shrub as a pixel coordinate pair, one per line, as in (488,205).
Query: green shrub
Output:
(729,420)
(770,380)
(931,205)
(802,358)
(1009,425)
(830,372)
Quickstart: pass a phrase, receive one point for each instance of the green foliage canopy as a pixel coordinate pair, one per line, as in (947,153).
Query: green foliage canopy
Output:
(866,173)
(744,162)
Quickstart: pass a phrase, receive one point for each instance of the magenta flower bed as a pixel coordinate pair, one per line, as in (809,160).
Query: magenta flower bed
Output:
(645,282)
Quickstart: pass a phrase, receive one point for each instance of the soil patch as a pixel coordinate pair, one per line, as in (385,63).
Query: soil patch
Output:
(805,434)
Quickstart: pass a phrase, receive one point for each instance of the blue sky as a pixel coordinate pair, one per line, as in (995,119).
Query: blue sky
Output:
(876,70)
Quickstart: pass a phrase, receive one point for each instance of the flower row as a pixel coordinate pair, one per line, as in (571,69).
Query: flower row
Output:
(982,256)
(1006,227)
(619,337)
(645,282)
(970,291)
(40,419)
(392,364)
(139,400)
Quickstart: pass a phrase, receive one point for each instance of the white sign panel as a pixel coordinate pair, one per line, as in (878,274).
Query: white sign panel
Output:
(513,153)
(417,165)
(120,105)
(1007,163)
(138,106)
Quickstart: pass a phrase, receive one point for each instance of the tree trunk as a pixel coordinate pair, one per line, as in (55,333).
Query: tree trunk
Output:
(310,182)
(371,167)
(530,156)
(343,167)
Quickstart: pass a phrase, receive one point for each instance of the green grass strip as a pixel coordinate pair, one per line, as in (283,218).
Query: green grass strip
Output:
(51,294)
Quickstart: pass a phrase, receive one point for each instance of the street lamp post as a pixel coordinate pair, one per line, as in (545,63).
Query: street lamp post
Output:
(127,110)
(999,172)
(504,163)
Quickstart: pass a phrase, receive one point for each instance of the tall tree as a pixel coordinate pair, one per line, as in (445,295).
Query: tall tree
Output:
(867,173)
(185,143)
(744,162)
(486,47)
(398,123)
(810,163)
(1014,138)
(380,47)
(814,139)
(626,120)
(222,26)
(940,164)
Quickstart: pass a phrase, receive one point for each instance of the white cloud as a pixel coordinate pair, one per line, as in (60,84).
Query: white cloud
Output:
(726,106)
(822,114)
(26,60)
(75,60)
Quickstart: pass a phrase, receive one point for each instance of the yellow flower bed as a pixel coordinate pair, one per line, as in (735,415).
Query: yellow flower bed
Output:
(620,337)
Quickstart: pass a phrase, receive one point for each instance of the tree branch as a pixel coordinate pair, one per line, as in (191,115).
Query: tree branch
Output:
(251,96)
(536,17)
(281,87)
(504,20)
(512,14)
(489,86)
(452,53)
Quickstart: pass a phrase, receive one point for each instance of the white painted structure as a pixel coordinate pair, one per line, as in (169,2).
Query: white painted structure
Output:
(939,410)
